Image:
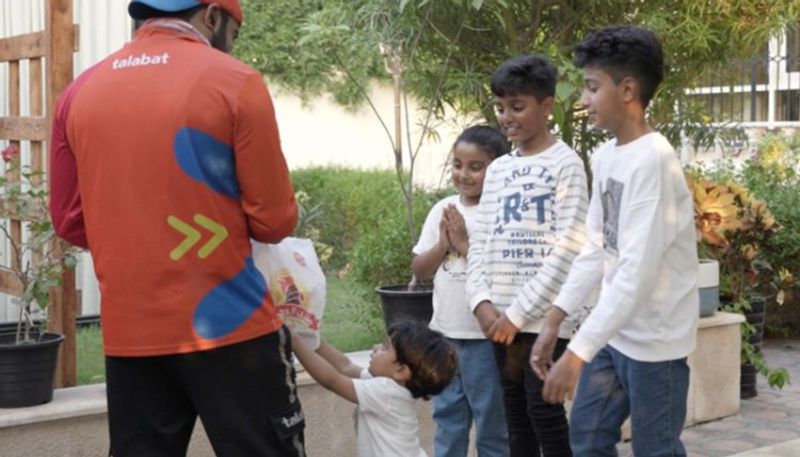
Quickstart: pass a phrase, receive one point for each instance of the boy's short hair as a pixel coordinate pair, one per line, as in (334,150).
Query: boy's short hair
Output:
(525,75)
(625,51)
(431,359)
(488,138)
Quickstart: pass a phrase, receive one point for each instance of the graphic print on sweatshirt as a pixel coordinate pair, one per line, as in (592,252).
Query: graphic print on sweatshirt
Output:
(612,199)
(525,220)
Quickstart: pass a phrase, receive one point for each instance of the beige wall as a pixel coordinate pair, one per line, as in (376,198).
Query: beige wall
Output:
(324,133)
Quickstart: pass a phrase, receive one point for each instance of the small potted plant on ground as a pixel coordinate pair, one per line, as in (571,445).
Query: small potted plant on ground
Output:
(28,354)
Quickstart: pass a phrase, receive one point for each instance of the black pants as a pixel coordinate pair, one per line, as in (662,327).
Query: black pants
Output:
(535,427)
(244,393)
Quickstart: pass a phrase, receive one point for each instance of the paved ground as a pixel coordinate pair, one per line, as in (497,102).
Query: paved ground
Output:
(771,418)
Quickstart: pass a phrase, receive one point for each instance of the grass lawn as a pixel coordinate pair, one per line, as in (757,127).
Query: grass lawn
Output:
(352,322)
(91,366)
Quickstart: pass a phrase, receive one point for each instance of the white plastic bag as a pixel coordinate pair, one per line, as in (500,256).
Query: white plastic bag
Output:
(296,283)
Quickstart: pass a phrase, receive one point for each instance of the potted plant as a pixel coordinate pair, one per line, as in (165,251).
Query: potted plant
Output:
(732,229)
(28,354)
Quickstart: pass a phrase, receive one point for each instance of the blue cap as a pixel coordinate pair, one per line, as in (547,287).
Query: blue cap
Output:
(142,9)
(145,9)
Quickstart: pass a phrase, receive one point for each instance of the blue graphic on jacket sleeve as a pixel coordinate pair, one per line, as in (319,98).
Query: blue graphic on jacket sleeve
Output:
(231,303)
(207,160)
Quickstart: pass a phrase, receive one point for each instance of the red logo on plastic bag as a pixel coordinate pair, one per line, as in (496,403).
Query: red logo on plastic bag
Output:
(299,258)
(295,314)
(292,309)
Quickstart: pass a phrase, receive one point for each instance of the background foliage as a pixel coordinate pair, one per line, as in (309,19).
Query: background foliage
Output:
(362,219)
(771,175)
(450,47)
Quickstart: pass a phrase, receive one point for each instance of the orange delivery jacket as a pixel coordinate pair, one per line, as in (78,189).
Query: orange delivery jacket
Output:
(165,161)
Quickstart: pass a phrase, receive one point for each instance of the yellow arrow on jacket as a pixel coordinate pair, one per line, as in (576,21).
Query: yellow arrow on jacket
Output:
(193,236)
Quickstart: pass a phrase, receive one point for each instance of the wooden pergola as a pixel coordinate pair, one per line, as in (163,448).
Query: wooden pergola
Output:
(54,46)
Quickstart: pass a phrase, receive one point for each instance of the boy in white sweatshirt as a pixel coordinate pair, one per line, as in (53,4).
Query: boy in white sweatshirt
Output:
(642,247)
(528,229)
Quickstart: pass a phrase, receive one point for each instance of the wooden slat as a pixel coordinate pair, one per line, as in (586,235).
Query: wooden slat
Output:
(60,43)
(23,129)
(36,110)
(14,88)
(35,85)
(29,45)
(62,311)
(9,284)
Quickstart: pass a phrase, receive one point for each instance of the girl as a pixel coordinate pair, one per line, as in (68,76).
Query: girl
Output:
(474,392)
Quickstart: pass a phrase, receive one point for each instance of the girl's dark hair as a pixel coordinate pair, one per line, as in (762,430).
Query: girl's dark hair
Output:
(485,137)
(431,359)
(625,51)
(525,75)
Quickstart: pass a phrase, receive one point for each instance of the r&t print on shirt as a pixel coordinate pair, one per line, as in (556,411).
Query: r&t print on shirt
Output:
(612,198)
(526,219)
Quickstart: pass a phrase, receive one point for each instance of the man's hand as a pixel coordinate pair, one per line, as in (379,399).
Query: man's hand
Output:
(486,314)
(503,331)
(562,378)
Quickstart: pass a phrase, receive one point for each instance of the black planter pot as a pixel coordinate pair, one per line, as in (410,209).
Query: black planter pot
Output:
(401,302)
(754,317)
(748,378)
(27,371)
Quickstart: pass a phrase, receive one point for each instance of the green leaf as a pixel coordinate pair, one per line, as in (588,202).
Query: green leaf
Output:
(564,90)
(477,4)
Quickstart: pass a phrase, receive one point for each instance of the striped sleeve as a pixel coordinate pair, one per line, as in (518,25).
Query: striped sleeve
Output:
(538,294)
(478,288)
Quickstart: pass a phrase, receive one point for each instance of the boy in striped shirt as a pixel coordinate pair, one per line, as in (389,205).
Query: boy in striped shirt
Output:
(529,229)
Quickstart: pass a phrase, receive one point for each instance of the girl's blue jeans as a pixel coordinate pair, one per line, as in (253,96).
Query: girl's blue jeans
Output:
(613,387)
(473,394)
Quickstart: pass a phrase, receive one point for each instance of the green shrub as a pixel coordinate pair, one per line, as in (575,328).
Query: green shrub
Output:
(363,218)
(351,200)
(772,176)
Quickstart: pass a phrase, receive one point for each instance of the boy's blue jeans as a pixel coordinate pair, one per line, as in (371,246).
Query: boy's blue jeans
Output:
(613,387)
(474,393)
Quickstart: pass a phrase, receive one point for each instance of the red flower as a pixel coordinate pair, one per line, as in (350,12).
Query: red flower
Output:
(9,153)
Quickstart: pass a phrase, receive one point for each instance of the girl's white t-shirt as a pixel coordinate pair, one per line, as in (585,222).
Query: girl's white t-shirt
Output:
(451,313)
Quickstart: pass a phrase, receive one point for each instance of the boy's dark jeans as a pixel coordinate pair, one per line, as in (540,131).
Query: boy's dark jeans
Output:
(535,427)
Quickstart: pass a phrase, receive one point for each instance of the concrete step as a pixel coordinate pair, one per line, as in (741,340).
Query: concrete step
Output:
(786,449)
